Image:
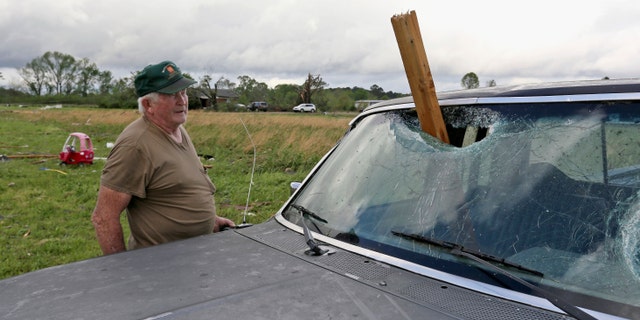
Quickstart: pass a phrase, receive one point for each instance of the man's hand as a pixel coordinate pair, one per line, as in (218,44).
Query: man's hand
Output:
(221,223)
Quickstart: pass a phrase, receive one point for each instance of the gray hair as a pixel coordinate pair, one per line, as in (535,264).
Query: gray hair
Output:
(151,96)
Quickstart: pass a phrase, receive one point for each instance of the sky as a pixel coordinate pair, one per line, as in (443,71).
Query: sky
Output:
(347,42)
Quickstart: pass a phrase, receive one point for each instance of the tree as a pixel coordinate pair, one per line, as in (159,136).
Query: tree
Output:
(360,94)
(224,83)
(34,75)
(105,82)
(491,83)
(211,92)
(123,94)
(251,90)
(470,81)
(312,85)
(339,99)
(284,95)
(377,91)
(60,70)
(87,77)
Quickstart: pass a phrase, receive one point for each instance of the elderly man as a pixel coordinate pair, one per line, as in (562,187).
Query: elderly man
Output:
(154,173)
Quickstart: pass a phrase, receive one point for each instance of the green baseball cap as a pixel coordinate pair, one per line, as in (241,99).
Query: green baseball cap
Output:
(164,77)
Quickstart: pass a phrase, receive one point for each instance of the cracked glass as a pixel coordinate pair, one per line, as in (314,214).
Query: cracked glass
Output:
(551,187)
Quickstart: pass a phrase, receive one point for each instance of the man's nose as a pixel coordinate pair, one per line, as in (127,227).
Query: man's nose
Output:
(182,98)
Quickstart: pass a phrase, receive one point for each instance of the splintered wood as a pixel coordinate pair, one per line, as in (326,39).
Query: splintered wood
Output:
(416,66)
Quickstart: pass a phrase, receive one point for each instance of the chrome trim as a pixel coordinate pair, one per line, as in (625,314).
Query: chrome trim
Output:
(407,102)
(379,110)
(543,99)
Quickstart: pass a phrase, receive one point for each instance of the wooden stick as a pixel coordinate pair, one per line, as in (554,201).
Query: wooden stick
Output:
(29,156)
(416,66)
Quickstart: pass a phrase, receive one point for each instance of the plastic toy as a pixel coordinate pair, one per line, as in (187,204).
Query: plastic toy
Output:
(78,149)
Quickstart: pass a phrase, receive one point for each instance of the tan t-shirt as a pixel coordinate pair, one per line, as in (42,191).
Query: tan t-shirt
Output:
(172,196)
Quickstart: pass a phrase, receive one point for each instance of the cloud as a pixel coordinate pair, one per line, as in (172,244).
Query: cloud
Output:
(349,43)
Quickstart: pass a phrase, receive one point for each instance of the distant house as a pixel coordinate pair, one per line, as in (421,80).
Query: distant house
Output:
(223,96)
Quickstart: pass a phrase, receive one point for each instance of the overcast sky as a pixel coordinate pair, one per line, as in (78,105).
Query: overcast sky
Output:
(348,42)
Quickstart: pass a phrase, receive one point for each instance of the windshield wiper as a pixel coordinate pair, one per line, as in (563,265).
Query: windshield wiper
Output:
(476,253)
(314,248)
(309,213)
(482,259)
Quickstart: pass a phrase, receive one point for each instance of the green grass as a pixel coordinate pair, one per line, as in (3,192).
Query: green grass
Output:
(45,214)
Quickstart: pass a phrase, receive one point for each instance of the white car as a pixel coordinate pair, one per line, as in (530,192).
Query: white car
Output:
(305,107)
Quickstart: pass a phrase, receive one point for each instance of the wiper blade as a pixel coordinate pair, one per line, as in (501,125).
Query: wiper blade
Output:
(479,257)
(314,248)
(307,212)
(476,253)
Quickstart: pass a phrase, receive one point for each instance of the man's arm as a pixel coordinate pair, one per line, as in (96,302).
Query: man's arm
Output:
(106,219)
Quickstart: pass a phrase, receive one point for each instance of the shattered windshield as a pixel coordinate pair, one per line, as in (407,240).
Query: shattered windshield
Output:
(550,187)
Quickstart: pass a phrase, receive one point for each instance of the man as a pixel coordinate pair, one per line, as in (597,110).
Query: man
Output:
(154,173)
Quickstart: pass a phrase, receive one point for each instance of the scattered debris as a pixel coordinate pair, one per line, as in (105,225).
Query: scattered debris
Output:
(57,106)
(58,171)
(7,147)
(4,157)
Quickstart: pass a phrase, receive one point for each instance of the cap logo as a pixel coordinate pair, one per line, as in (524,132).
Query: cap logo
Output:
(169,68)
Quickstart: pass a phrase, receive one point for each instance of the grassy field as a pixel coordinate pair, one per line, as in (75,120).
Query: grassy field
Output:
(45,208)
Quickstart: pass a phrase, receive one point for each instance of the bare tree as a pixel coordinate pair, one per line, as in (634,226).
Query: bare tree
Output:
(210,92)
(224,83)
(311,86)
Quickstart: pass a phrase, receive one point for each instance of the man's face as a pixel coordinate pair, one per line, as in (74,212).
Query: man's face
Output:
(169,111)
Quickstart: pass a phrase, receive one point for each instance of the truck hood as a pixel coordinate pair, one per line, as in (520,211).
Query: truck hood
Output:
(261,272)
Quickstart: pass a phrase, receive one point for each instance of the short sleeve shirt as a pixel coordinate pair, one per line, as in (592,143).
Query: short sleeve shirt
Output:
(172,195)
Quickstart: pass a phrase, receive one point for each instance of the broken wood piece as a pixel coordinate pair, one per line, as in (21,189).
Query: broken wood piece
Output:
(416,65)
(470,136)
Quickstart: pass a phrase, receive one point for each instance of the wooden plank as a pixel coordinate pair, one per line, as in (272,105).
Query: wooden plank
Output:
(470,135)
(416,66)
(29,156)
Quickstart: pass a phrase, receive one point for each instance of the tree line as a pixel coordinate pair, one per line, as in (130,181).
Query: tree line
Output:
(57,77)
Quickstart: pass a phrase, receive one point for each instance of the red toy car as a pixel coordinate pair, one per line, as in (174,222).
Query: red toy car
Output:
(77,150)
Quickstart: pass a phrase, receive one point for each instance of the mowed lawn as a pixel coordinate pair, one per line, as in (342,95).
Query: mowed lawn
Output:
(45,208)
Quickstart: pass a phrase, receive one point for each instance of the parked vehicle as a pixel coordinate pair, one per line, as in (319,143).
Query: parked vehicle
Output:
(258,106)
(305,107)
(77,149)
(532,211)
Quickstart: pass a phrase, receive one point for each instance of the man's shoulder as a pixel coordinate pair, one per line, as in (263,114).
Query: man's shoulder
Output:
(134,132)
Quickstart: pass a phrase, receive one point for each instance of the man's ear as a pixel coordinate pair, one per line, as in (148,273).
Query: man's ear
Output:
(146,104)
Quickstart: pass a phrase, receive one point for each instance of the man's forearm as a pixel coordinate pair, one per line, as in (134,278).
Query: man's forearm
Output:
(106,219)
(110,236)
